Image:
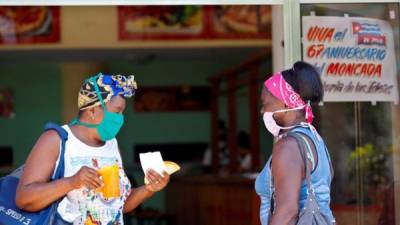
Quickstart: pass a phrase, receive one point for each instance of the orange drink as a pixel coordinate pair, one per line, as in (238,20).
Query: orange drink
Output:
(110,175)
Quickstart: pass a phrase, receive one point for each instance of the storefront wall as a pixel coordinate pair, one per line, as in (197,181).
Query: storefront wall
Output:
(357,197)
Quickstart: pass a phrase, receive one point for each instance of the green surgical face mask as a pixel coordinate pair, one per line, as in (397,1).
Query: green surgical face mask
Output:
(112,122)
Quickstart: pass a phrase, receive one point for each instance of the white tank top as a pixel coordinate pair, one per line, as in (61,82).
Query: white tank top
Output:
(84,206)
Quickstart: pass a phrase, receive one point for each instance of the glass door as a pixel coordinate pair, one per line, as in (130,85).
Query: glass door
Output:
(362,133)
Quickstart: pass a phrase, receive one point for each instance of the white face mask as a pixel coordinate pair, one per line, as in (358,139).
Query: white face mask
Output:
(271,124)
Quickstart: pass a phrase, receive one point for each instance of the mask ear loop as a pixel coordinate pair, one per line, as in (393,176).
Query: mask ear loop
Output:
(96,88)
(289,110)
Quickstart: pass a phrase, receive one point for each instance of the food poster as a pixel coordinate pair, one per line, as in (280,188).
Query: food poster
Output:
(160,22)
(194,22)
(29,24)
(235,21)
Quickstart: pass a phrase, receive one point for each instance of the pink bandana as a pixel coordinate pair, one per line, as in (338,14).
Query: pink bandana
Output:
(284,92)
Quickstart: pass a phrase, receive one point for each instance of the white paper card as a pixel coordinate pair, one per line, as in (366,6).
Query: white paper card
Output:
(152,160)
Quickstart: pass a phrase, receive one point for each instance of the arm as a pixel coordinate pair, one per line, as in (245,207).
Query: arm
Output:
(288,173)
(34,191)
(141,194)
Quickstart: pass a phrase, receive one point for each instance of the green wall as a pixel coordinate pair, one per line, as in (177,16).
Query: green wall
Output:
(37,100)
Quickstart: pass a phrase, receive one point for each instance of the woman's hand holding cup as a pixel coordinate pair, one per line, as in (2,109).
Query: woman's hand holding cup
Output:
(86,176)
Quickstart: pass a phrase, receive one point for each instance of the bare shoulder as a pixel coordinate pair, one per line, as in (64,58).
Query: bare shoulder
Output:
(286,147)
(286,154)
(42,159)
(48,142)
(50,137)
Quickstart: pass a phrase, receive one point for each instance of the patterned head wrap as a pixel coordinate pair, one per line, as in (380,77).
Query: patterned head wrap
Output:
(109,86)
(282,90)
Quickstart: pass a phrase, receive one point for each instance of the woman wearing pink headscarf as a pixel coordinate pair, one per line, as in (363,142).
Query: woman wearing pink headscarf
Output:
(286,108)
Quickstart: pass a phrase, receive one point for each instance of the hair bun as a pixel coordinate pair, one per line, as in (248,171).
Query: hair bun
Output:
(306,81)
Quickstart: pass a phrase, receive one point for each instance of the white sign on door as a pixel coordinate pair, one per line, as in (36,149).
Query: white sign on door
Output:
(355,56)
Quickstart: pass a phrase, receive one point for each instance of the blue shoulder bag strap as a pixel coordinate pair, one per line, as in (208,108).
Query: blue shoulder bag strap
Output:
(49,217)
(64,137)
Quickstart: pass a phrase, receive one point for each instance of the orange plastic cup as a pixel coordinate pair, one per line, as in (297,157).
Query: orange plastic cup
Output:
(110,175)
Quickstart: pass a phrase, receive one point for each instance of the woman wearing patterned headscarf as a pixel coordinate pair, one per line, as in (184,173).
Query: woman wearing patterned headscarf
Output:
(91,146)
